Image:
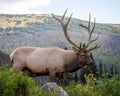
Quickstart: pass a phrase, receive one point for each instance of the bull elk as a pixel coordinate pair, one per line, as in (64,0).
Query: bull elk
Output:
(54,61)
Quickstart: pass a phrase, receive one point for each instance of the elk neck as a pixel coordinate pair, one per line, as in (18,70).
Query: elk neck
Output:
(72,62)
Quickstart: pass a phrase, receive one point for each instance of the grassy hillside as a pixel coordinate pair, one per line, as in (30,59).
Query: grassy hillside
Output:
(43,30)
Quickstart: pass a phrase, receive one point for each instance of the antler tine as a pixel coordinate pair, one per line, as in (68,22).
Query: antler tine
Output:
(89,23)
(90,31)
(80,47)
(94,39)
(64,15)
(65,26)
(56,18)
(90,41)
(69,19)
(93,26)
(95,47)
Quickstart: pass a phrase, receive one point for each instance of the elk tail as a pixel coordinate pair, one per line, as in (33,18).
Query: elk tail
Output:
(12,55)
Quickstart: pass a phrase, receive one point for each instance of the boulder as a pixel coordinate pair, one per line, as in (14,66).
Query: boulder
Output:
(52,88)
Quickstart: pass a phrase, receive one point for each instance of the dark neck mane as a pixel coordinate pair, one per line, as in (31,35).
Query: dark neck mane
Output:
(72,63)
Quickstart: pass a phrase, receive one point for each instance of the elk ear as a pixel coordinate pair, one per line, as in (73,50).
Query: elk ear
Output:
(91,56)
(75,50)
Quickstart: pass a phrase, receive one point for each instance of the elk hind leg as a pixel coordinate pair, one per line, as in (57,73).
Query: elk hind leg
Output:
(17,67)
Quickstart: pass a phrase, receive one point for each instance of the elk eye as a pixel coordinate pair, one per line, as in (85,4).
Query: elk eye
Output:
(82,55)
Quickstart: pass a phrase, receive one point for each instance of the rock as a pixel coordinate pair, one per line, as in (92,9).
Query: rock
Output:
(53,87)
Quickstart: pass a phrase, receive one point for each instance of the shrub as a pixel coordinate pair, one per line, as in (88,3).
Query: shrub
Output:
(109,86)
(15,84)
(78,89)
(94,87)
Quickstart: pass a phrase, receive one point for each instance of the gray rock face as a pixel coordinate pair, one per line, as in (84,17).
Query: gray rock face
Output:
(53,87)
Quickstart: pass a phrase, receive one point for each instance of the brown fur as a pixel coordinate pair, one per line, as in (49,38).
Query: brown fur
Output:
(47,61)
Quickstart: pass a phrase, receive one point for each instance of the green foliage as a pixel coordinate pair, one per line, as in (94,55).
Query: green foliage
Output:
(50,93)
(109,86)
(78,89)
(15,84)
(94,87)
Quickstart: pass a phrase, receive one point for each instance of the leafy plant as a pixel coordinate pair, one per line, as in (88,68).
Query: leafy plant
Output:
(93,87)
(15,84)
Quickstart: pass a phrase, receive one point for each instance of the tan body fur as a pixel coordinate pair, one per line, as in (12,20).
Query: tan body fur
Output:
(45,61)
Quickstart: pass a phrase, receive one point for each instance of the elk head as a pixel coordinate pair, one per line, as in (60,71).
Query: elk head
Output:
(82,50)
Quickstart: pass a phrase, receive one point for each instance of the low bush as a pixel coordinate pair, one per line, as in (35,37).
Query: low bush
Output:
(16,84)
(94,87)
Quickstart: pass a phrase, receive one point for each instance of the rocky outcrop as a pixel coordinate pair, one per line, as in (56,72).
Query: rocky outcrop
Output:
(52,88)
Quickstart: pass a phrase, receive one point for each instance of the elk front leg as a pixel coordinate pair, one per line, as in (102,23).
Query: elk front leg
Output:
(61,79)
(52,77)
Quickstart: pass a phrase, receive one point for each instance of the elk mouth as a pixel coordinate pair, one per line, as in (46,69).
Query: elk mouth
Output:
(85,65)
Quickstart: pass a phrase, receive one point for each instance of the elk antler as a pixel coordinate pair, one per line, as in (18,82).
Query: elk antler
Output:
(65,26)
(90,31)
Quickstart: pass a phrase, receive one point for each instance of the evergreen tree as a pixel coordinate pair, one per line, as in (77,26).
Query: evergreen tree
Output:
(113,71)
